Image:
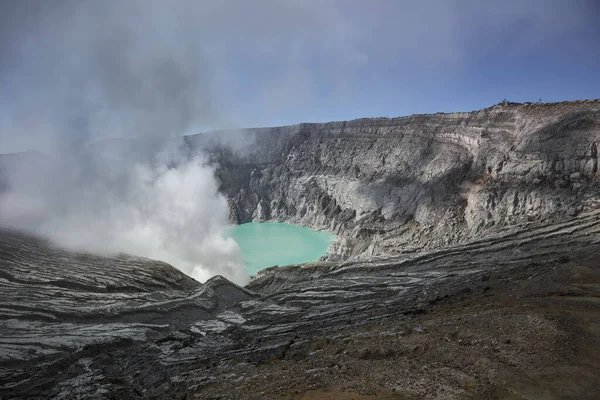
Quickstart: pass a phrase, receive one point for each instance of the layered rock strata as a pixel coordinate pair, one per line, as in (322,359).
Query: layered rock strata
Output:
(467,267)
(389,185)
(466,321)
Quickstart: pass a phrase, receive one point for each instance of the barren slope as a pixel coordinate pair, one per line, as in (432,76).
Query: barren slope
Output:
(515,315)
(475,274)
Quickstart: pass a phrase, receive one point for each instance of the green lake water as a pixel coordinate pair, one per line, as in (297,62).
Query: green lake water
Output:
(266,244)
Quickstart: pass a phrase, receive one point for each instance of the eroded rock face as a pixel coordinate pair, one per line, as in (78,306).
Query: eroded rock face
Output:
(63,312)
(494,312)
(424,181)
(494,293)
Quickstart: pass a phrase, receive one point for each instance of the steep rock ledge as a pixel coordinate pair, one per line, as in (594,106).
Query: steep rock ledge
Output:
(424,181)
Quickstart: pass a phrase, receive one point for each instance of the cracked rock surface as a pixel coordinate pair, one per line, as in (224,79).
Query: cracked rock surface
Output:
(467,267)
(510,315)
(390,185)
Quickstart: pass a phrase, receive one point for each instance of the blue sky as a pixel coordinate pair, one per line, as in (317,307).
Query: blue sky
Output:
(430,58)
(78,71)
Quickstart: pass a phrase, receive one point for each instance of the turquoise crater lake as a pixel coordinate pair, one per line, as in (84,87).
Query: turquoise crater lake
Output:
(265,244)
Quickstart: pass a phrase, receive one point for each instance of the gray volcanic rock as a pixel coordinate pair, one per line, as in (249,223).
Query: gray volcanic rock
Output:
(389,185)
(475,274)
(133,328)
(58,308)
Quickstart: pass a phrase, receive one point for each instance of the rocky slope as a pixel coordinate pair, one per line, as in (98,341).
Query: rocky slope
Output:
(475,274)
(60,311)
(510,316)
(424,181)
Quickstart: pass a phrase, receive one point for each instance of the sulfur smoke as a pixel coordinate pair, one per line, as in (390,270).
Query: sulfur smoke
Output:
(86,71)
(167,208)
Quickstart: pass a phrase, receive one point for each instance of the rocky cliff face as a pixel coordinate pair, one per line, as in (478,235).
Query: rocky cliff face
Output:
(424,181)
(510,313)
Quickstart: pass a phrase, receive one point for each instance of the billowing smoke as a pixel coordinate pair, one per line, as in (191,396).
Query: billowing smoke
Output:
(84,71)
(167,208)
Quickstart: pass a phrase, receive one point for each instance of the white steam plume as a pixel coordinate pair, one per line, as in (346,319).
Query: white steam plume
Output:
(167,209)
(82,71)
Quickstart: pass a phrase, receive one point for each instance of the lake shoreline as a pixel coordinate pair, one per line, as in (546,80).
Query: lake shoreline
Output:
(268,244)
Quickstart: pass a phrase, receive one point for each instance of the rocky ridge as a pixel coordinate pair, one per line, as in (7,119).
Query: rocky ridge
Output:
(388,185)
(473,273)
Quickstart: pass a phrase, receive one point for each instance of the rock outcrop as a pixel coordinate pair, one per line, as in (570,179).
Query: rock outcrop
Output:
(506,314)
(466,267)
(389,185)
